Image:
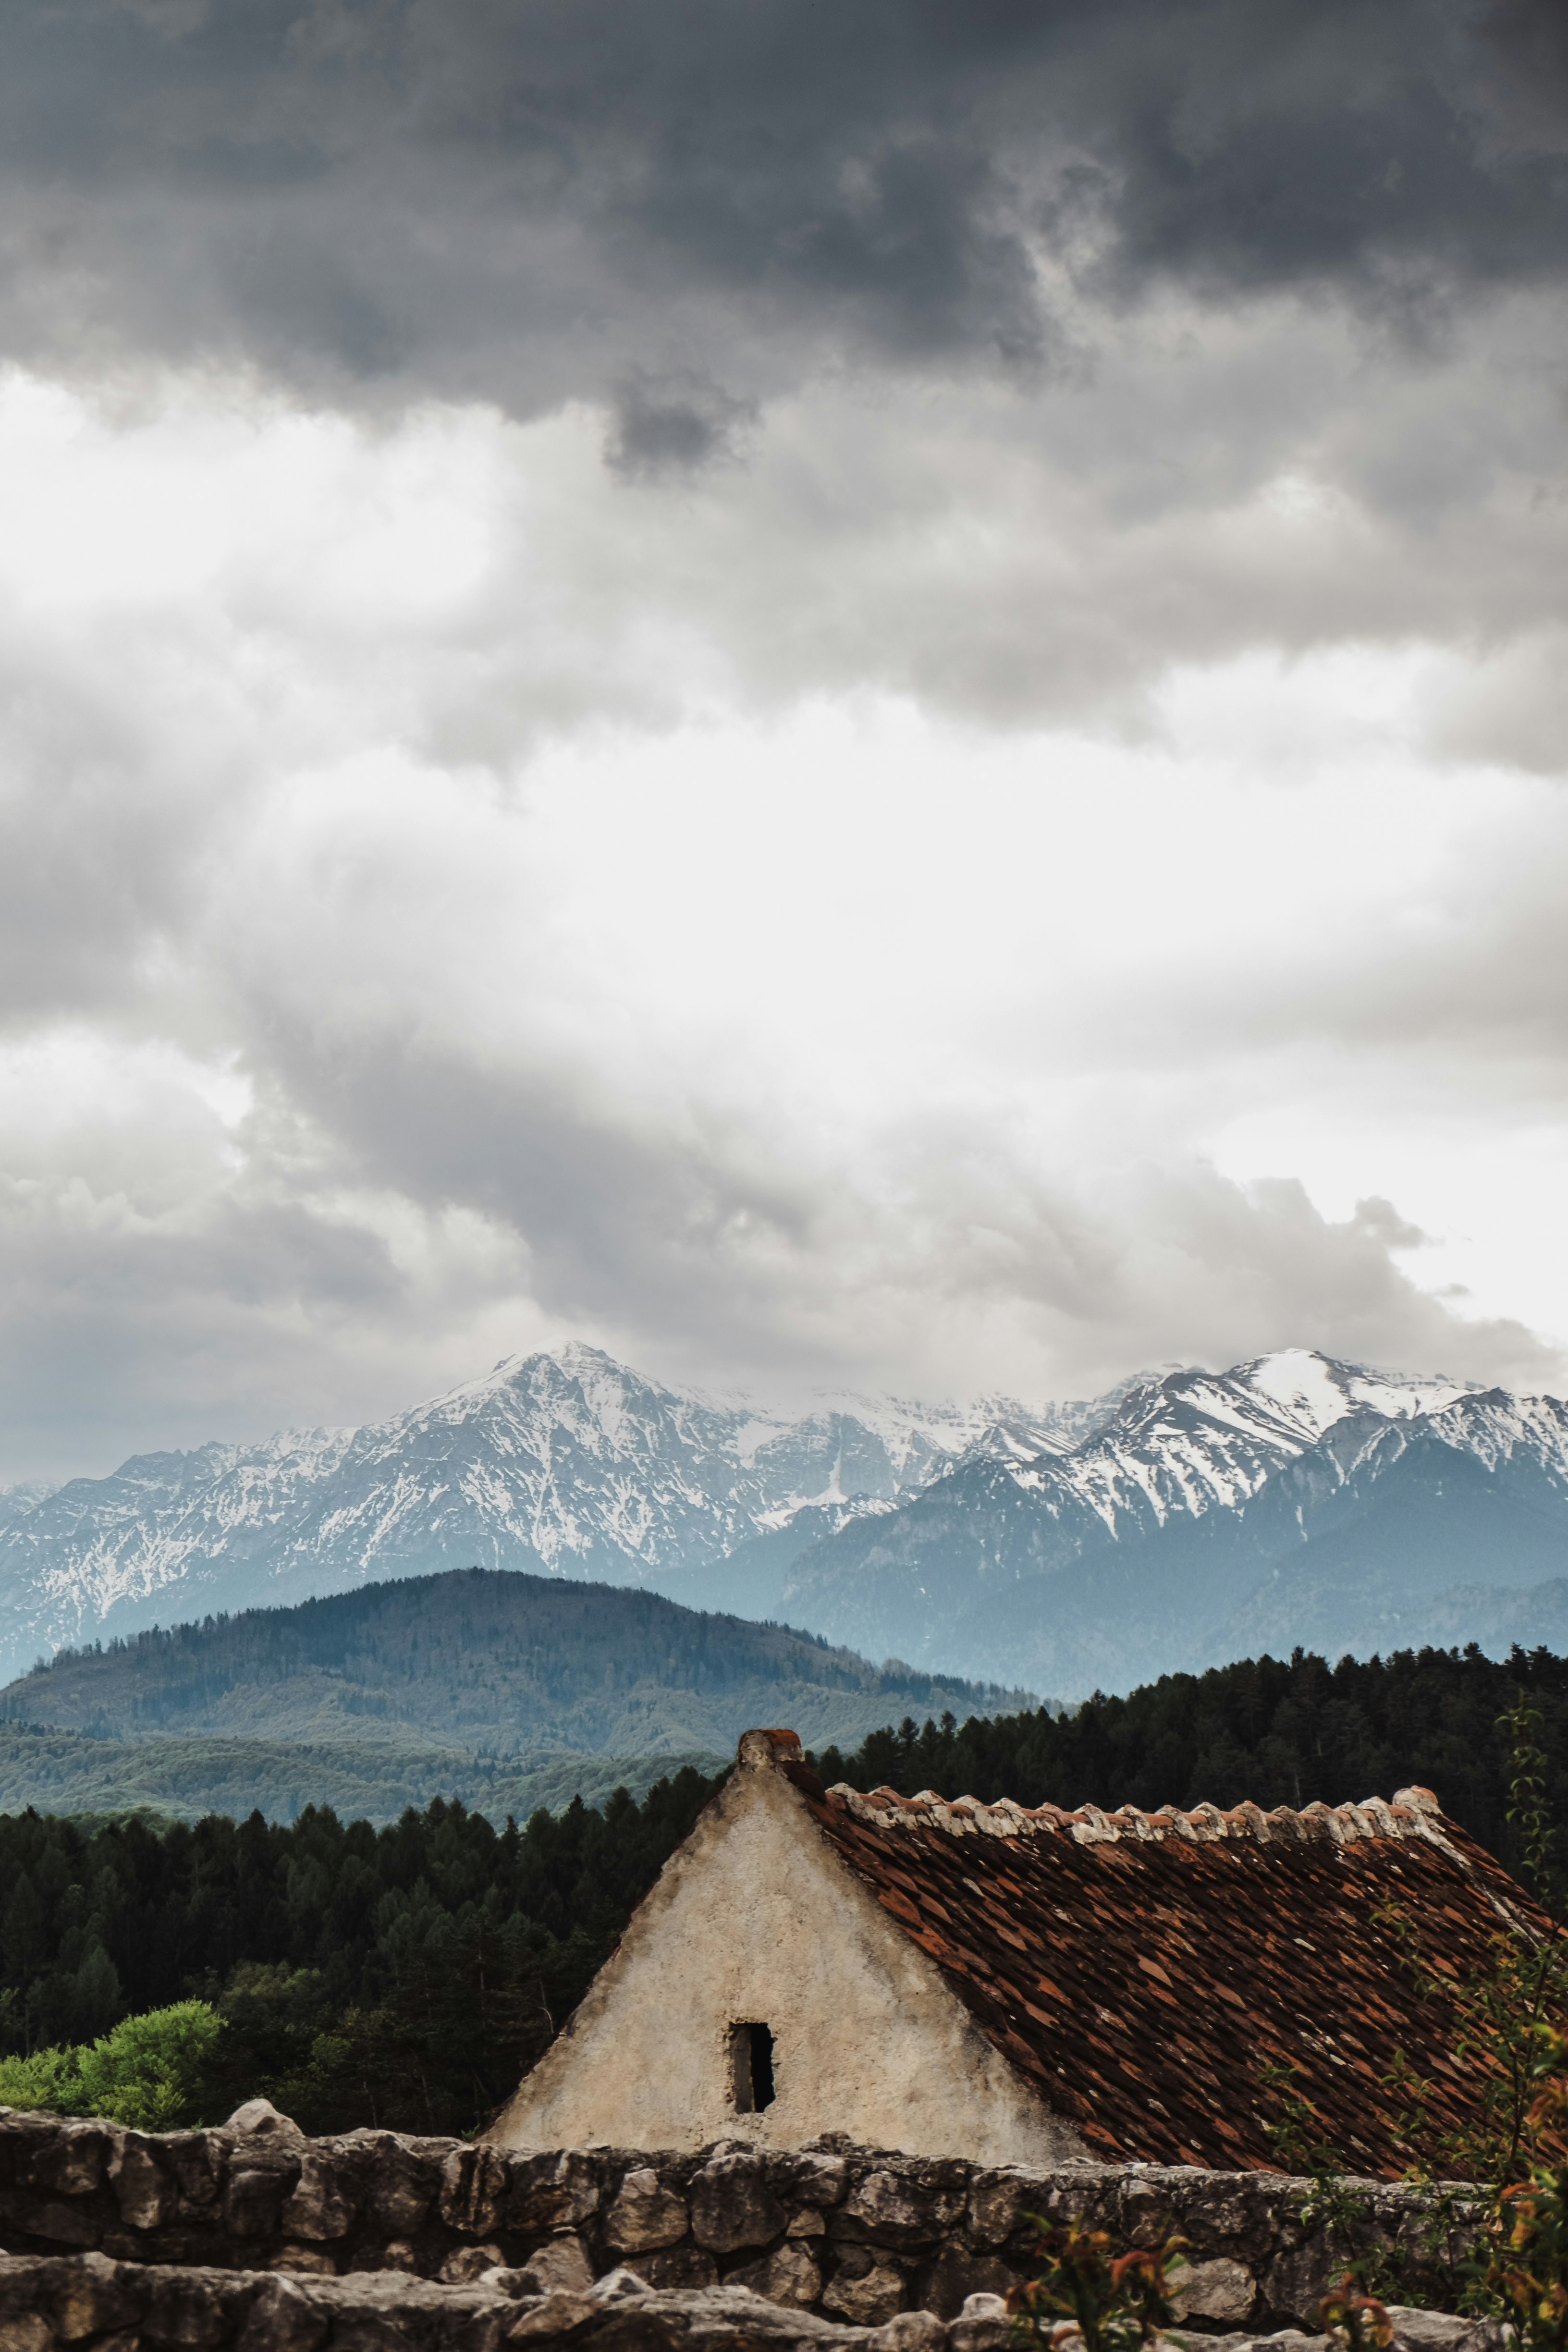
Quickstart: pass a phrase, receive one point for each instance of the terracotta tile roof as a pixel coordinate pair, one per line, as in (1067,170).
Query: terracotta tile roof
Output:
(1141,1970)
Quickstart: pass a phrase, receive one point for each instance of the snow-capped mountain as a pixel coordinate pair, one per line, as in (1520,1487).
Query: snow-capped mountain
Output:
(1185,1518)
(565,1461)
(1292,1500)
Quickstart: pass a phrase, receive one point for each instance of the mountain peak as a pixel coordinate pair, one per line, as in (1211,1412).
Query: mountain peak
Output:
(1321,1389)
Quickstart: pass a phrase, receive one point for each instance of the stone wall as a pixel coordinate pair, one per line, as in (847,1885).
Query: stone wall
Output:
(853,2234)
(84,2302)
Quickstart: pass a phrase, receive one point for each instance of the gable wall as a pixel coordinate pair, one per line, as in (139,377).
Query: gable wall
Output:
(756,1919)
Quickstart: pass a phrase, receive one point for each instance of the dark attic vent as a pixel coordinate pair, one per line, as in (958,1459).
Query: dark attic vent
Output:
(751,2068)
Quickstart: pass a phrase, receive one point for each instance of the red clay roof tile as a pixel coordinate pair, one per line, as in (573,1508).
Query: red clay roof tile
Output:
(1190,1950)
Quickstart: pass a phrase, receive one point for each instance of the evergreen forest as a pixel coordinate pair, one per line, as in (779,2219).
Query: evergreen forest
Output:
(404,1976)
(407,1976)
(1278,1732)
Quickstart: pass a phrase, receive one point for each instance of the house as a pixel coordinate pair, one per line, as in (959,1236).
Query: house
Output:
(1026,1987)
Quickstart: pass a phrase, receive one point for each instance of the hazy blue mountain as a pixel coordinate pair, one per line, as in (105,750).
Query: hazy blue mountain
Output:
(1294,1500)
(482,1663)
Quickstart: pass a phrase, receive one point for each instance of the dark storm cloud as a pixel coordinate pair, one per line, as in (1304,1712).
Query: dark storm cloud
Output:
(520,201)
(674,424)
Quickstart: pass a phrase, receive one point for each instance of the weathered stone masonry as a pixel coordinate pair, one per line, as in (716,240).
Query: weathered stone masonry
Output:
(853,2234)
(84,2302)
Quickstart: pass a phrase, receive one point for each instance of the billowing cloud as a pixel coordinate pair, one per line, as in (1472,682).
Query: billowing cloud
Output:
(860,694)
(483,198)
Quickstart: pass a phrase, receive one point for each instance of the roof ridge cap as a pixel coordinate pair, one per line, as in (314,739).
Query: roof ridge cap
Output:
(1413,1813)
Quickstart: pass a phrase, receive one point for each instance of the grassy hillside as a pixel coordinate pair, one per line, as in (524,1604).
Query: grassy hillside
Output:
(483,1663)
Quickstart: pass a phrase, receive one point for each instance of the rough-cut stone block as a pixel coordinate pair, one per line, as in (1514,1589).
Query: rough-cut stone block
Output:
(560,2268)
(554,2317)
(1296,2281)
(1226,2213)
(145,2190)
(909,2331)
(1441,2331)
(895,2210)
(282,2319)
(552,2192)
(1219,2289)
(645,2214)
(732,2205)
(84,2296)
(995,2205)
(474,2184)
(983,2325)
(253,2201)
(319,2207)
(1145,2212)
(817,2179)
(398,2254)
(62,2225)
(403,2187)
(69,2159)
(956,2274)
(190,2308)
(788,2277)
(469,2262)
(194,2158)
(866,2298)
(689,2267)
(259,2120)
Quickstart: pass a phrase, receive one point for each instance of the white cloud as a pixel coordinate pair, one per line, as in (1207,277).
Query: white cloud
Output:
(974,896)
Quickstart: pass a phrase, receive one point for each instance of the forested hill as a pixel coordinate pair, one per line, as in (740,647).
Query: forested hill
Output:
(1276,1732)
(482,1661)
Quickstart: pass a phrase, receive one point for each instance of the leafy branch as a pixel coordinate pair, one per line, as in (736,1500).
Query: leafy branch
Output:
(1086,2295)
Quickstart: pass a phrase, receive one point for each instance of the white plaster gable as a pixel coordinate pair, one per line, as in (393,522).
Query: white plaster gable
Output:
(757,1919)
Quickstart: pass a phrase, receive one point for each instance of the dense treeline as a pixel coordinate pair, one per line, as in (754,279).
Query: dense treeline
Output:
(1278,1732)
(404,1976)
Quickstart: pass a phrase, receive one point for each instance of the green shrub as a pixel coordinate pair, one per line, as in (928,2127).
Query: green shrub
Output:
(48,2079)
(151,2072)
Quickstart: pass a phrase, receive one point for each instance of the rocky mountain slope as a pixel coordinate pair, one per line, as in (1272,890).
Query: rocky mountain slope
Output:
(1292,1501)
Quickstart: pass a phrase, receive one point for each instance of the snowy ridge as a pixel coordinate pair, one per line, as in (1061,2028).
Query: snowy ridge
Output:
(1293,1500)
(1195,1442)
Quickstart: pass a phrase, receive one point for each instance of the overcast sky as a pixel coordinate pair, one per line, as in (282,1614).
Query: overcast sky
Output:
(866,694)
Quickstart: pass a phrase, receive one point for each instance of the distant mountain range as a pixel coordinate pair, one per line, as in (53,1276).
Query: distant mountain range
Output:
(1185,1519)
(1294,1501)
(565,1463)
(505,1689)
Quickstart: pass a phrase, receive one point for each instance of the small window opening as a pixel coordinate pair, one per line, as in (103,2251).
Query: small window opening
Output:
(751,2068)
